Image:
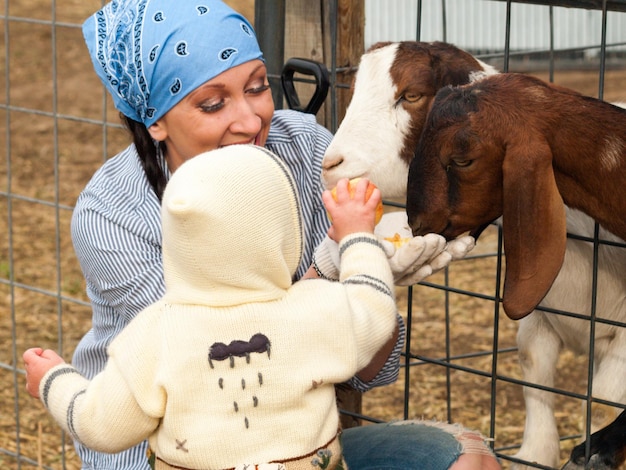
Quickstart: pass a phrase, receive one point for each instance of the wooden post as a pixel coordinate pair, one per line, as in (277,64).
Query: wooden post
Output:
(308,28)
(304,39)
(349,48)
(349,21)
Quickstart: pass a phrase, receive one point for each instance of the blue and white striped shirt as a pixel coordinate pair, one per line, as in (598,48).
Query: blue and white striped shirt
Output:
(116,231)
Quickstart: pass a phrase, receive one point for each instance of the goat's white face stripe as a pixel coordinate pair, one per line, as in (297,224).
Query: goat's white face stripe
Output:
(371,136)
(486,71)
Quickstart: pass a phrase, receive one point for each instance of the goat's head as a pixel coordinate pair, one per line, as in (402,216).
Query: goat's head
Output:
(392,92)
(481,157)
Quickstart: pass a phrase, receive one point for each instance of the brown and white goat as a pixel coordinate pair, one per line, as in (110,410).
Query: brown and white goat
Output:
(394,88)
(515,147)
(607,448)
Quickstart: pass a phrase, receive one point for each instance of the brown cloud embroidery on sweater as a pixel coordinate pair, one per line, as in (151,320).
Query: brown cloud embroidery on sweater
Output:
(258,343)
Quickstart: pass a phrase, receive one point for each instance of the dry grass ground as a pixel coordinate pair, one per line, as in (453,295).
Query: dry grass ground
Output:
(43,261)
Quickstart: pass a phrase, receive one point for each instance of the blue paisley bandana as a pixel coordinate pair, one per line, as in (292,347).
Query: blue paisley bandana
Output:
(151,53)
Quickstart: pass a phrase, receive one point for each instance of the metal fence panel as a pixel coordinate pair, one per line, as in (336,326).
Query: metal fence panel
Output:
(58,126)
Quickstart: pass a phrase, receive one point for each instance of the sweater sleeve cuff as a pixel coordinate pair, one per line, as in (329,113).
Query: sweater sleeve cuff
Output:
(362,253)
(58,389)
(50,378)
(359,237)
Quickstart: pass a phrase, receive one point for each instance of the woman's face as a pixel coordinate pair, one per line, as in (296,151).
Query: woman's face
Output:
(235,107)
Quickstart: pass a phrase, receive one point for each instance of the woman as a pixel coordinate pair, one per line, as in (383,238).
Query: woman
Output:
(189,77)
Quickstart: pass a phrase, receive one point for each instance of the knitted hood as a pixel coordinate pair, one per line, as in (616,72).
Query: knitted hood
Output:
(232,229)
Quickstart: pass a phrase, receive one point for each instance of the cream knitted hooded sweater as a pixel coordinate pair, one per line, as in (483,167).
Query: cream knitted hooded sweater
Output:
(236,364)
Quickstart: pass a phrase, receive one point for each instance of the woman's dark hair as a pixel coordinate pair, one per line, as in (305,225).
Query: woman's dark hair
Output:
(147,154)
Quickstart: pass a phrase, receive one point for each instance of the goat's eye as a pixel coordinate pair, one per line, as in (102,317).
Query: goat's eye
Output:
(408,98)
(461,162)
(412,97)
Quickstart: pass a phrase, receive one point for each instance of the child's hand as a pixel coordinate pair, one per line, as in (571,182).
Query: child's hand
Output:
(350,215)
(37,363)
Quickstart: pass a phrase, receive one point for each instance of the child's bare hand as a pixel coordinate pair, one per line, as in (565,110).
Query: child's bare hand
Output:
(37,363)
(351,214)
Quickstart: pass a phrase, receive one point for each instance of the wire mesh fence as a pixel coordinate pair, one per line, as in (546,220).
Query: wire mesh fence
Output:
(461,355)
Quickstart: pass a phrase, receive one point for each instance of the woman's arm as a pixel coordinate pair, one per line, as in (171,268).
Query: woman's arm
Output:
(383,369)
(370,372)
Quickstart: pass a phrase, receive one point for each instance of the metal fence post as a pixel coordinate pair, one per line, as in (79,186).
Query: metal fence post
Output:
(269,23)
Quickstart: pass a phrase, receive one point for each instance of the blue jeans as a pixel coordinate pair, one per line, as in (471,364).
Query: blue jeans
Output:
(403,445)
(399,447)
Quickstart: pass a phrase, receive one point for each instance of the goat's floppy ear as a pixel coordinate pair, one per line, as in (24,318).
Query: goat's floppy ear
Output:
(534,227)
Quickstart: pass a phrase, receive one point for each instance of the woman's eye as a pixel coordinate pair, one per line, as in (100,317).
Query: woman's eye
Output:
(259,89)
(211,106)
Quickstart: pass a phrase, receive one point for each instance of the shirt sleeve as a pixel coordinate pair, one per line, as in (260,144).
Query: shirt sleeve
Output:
(390,370)
(117,240)
(120,261)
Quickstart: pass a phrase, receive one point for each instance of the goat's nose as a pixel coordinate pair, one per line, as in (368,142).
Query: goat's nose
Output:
(415,224)
(330,162)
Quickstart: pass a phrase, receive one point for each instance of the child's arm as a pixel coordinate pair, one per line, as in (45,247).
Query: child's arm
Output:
(367,272)
(37,363)
(102,414)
